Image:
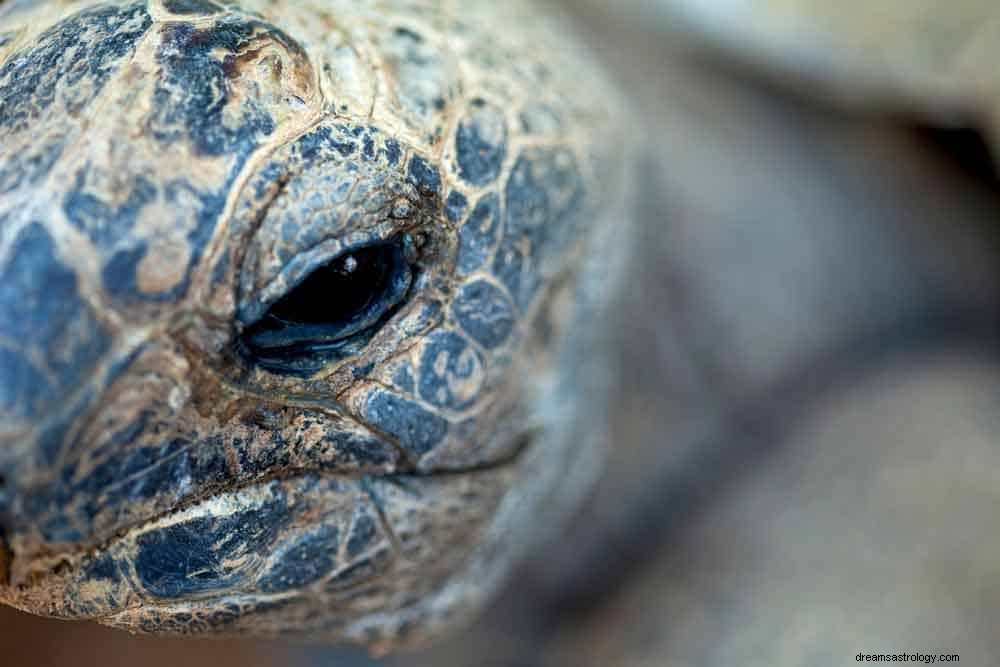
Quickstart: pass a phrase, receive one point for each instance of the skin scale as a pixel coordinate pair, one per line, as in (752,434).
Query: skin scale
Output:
(169,171)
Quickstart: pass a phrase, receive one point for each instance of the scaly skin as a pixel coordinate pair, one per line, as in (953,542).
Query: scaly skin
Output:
(168,172)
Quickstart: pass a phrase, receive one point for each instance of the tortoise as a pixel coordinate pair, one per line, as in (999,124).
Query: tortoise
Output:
(293,308)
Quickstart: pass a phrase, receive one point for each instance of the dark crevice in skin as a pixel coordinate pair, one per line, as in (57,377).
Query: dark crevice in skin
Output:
(364,478)
(965,145)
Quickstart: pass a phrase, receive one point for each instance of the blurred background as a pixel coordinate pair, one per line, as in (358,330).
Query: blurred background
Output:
(806,455)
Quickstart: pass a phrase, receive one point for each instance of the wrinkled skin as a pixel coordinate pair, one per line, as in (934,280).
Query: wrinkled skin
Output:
(171,171)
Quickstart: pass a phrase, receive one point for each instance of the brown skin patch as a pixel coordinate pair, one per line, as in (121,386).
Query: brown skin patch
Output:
(163,267)
(266,56)
(233,66)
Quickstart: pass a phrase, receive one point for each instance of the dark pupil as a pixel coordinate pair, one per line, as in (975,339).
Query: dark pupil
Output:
(336,292)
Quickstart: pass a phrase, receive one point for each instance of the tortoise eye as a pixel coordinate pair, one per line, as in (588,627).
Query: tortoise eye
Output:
(334,311)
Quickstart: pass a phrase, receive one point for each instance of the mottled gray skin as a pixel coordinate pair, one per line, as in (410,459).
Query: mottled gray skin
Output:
(168,171)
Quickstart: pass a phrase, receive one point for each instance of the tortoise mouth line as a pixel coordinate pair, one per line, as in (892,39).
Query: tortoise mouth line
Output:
(192,509)
(516,450)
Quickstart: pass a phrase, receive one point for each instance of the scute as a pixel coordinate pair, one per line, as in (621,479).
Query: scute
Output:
(415,428)
(46,318)
(205,553)
(452,371)
(47,85)
(479,235)
(481,144)
(190,101)
(485,313)
(69,63)
(301,562)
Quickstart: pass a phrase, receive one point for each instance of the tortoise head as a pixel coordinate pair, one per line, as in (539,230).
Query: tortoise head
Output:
(284,310)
